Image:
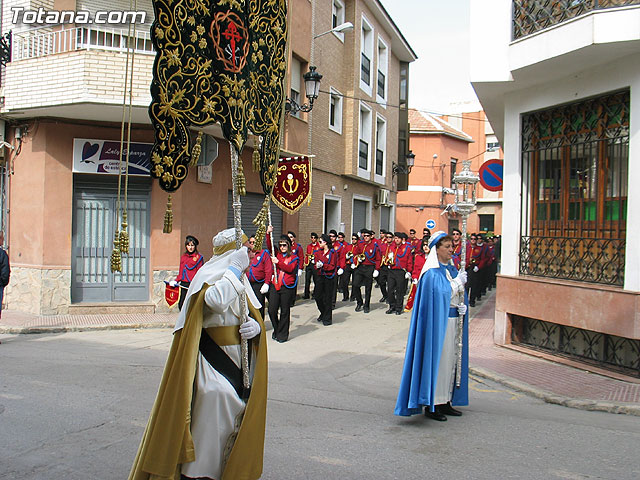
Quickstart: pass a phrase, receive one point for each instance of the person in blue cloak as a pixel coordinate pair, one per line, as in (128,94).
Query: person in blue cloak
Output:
(429,373)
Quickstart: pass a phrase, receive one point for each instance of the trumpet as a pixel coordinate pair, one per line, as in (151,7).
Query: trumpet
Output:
(348,256)
(310,259)
(360,258)
(388,259)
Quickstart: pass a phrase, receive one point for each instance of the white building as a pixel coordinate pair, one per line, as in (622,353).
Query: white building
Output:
(560,83)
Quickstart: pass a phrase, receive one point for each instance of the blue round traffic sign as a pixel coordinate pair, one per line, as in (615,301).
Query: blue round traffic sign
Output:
(431,223)
(491,175)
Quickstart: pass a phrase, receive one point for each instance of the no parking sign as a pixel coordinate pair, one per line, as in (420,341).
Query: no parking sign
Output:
(491,175)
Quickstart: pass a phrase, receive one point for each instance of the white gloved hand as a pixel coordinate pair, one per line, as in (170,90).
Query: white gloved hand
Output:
(340,271)
(240,259)
(475,269)
(415,281)
(299,272)
(462,309)
(319,264)
(173,283)
(462,276)
(249,329)
(407,275)
(264,288)
(353,266)
(376,273)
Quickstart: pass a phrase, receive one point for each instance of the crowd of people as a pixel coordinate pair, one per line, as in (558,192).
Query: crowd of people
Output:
(392,262)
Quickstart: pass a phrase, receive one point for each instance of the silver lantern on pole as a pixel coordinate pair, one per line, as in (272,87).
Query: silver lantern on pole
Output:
(465,203)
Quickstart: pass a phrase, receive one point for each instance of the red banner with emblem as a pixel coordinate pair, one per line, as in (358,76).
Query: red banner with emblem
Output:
(293,183)
(171,294)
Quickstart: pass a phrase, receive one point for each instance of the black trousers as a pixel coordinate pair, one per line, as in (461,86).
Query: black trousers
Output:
(183,293)
(383,281)
(280,301)
(344,282)
(363,276)
(308,275)
(256,286)
(473,282)
(323,293)
(397,289)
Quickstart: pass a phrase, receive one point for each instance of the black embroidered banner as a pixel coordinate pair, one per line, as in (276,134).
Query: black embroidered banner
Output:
(217,61)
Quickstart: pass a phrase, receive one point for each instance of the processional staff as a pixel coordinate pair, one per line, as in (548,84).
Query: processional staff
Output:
(467,180)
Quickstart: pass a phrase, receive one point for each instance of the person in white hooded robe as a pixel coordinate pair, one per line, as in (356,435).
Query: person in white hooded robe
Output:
(224,433)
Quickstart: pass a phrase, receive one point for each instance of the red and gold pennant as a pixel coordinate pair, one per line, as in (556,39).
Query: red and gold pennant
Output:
(293,183)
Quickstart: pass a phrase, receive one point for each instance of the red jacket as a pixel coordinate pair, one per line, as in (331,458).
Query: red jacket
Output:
(347,255)
(385,249)
(329,263)
(286,271)
(312,248)
(418,263)
(190,263)
(371,253)
(457,255)
(338,247)
(402,258)
(261,268)
(478,255)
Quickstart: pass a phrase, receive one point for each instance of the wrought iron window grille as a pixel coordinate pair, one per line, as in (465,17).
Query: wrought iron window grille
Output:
(530,16)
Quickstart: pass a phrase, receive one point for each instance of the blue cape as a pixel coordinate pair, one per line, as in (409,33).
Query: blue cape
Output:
(424,345)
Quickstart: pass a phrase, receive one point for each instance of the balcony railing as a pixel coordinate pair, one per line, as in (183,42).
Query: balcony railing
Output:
(41,43)
(530,16)
(593,260)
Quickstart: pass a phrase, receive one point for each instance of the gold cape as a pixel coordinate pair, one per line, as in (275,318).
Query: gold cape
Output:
(167,441)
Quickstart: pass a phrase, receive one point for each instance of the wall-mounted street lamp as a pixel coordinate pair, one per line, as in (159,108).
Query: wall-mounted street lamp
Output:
(343,27)
(311,88)
(399,169)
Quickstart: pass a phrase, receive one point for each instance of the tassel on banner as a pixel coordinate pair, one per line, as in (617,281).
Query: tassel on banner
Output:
(255,158)
(242,184)
(196,150)
(168,217)
(116,258)
(124,235)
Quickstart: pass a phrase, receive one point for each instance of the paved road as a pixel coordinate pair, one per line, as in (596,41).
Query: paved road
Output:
(73,406)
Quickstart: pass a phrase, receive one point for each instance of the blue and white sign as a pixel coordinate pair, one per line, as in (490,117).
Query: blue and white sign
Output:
(430,224)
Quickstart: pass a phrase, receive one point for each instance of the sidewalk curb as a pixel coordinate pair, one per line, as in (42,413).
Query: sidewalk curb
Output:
(82,328)
(590,405)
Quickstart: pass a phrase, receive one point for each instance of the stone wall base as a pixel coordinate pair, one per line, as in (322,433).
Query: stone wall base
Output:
(39,291)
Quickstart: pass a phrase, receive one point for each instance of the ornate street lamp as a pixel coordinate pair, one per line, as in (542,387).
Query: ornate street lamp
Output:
(311,88)
(398,169)
(465,203)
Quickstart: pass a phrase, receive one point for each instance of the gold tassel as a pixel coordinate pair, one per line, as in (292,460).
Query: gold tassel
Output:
(116,258)
(124,235)
(255,158)
(242,184)
(195,151)
(168,218)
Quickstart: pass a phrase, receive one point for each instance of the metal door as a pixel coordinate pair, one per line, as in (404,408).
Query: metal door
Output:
(359,215)
(94,223)
(251,205)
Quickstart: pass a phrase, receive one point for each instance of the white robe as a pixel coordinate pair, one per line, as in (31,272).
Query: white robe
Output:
(216,408)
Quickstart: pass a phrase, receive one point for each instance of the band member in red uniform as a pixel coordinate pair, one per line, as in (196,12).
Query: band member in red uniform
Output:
(348,259)
(476,256)
(414,241)
(418,262)
(283,288)
(259,273)
(369,259)
(299,252)
(308,264)
(336,246)
(341,260)
(387,250)
(190,263)
(326,266)
(492,267)
(399,272)
(457,247)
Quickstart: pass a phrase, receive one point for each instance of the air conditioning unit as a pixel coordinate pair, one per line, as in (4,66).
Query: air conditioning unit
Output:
(383,197)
